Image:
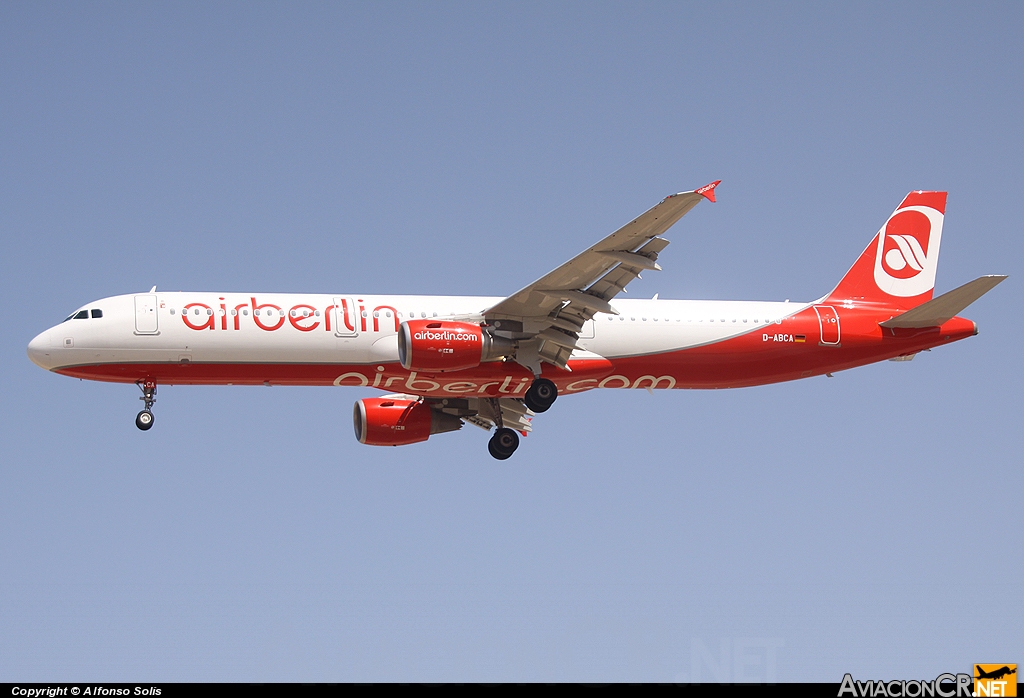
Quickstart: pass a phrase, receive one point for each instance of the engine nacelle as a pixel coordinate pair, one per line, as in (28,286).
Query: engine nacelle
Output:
(396,422)
(440,345)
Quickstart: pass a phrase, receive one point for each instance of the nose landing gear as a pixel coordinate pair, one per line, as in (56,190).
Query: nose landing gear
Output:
(541,395)
(144,420)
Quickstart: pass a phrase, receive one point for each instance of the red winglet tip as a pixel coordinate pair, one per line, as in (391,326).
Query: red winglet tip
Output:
(708,190)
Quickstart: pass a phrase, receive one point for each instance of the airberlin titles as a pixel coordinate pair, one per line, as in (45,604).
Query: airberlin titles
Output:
(271,317)
(507,386)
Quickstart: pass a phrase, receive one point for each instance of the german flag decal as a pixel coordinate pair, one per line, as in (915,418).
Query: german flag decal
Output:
(799,338)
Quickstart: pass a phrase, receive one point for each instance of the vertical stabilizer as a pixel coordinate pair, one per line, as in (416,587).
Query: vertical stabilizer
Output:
(898,268)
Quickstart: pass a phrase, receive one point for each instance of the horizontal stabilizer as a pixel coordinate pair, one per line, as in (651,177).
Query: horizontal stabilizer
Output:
(944,308)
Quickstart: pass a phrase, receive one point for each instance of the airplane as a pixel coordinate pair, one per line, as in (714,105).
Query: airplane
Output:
(996,674)
(446,361)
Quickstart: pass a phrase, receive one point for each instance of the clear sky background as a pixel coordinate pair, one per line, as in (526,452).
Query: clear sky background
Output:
(868,523)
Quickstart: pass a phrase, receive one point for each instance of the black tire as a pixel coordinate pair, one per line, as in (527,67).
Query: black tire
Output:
(144,420)
(503,444)
(541,395)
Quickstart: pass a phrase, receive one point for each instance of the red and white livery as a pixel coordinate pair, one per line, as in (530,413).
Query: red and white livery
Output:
(444,361)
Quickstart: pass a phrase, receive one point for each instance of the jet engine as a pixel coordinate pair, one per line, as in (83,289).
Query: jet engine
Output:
(396,422)
(439,346)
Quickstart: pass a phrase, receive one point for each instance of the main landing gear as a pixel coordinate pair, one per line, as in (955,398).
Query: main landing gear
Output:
(541,395)
(144,420)
(538,398)
(503,444)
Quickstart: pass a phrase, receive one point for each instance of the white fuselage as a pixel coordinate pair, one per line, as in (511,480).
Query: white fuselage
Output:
(309,328)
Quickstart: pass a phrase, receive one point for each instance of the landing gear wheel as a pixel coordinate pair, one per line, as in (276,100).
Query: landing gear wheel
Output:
(503,444)
(144,420)
(541,395)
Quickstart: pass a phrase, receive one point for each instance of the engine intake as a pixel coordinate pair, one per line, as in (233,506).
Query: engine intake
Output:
(396,422)
(439,346)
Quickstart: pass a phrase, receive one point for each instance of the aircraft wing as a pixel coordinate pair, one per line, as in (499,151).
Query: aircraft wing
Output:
(552,310)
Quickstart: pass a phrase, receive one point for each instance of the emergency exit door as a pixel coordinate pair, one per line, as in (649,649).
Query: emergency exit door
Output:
(828,322)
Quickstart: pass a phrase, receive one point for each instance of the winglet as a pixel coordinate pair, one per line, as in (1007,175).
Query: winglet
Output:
(708,190)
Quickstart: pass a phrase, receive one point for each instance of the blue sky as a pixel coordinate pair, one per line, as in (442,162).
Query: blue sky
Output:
(866,523)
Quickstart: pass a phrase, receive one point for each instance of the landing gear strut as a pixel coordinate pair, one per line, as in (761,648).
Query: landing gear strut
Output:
(541,395)
(503,444)
(144,420)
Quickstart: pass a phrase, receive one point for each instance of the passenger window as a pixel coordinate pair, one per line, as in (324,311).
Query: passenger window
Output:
(82,315)
(96,312)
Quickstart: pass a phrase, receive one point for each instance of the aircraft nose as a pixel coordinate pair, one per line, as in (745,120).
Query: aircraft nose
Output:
(39,350)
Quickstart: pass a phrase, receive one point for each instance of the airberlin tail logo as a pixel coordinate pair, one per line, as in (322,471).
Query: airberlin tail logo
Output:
(903,256)
(908,251)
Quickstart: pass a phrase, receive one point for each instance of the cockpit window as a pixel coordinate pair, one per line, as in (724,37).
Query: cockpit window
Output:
(84,315)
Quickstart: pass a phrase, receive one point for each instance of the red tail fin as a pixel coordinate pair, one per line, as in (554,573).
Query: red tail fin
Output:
(898,268)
